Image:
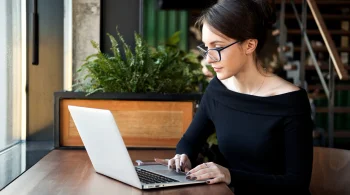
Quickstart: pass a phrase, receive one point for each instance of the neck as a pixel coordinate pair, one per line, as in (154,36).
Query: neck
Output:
(250,79)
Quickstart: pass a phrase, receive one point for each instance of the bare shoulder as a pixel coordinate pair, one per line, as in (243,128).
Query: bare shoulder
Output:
(278,86)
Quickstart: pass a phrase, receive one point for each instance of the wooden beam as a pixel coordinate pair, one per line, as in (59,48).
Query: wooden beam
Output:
(317,32)
(337,87)
(340,134)
(319,2)
(324,49)
(336,110)
(324,67)
(325,16)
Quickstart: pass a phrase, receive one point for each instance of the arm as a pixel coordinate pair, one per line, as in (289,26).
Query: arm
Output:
(197,133)
(298,159)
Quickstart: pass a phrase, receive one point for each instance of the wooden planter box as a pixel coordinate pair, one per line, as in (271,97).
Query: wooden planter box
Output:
(144,120)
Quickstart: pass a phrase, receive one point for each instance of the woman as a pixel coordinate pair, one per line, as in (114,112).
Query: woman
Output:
(262,122)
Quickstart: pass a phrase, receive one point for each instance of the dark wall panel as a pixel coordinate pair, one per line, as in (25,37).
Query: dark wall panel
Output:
(125,15)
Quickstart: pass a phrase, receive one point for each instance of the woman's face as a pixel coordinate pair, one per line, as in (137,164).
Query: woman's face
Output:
(232,57)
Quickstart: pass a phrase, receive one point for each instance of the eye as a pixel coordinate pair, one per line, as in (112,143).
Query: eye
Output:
(212,47)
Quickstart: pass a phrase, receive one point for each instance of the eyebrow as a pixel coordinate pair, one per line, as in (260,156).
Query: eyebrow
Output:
(213,42)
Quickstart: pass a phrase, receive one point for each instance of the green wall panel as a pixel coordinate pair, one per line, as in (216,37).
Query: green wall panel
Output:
(159,25)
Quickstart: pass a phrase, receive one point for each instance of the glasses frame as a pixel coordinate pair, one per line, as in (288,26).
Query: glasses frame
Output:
(218,49)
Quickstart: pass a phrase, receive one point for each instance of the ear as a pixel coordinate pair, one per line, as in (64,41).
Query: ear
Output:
(251,45)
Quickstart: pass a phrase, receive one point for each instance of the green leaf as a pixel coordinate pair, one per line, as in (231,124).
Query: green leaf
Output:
(212,140)
(114,47)
(164,69)
(174,39)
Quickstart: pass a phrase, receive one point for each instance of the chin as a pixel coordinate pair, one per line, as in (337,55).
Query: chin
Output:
(222,76)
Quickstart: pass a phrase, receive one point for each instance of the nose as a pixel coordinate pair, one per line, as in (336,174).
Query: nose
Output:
(209,60)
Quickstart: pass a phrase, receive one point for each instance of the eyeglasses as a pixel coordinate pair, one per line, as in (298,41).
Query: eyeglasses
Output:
(214,53)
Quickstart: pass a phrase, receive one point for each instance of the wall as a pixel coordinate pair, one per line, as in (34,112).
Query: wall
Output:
(3,75)
(125,15)
(159,24)
(86,27)
(47,77)
(10,72)
(93,19)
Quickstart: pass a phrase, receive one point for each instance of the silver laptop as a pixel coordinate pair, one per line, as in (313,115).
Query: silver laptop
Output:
(109,156)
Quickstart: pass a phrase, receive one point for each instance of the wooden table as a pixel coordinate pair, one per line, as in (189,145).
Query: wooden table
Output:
(70,172)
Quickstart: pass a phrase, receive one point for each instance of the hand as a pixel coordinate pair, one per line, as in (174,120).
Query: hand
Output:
(180,162)
(211,172)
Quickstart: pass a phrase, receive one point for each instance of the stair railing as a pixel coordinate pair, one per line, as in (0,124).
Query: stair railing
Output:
(334,60)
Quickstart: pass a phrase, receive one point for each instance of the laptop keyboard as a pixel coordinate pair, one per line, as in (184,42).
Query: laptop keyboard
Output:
(149,177)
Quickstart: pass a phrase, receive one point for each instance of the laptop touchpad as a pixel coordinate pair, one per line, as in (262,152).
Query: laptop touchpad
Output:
(169,172)
(163,170)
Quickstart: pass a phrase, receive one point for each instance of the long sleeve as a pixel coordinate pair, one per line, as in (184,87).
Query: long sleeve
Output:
(298,160)
(266,142)
(197,133)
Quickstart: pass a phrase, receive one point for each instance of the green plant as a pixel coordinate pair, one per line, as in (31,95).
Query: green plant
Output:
(165,69)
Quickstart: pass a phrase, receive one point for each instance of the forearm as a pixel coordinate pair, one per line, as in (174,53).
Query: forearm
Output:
(197,133)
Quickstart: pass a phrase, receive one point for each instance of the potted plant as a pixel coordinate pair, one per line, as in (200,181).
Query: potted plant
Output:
(152,92)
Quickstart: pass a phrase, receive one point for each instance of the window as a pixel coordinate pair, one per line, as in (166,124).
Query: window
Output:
(12,95)
(10,72)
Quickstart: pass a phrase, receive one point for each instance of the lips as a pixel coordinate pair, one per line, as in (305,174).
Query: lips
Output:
(217,69)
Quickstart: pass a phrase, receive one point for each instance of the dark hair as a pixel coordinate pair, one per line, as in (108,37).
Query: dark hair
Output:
(241,19)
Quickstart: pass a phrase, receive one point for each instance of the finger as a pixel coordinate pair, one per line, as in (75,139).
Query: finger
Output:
(204,175)
(198,168)
(177,164)
(171,162)
(215,180)
(183,161)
